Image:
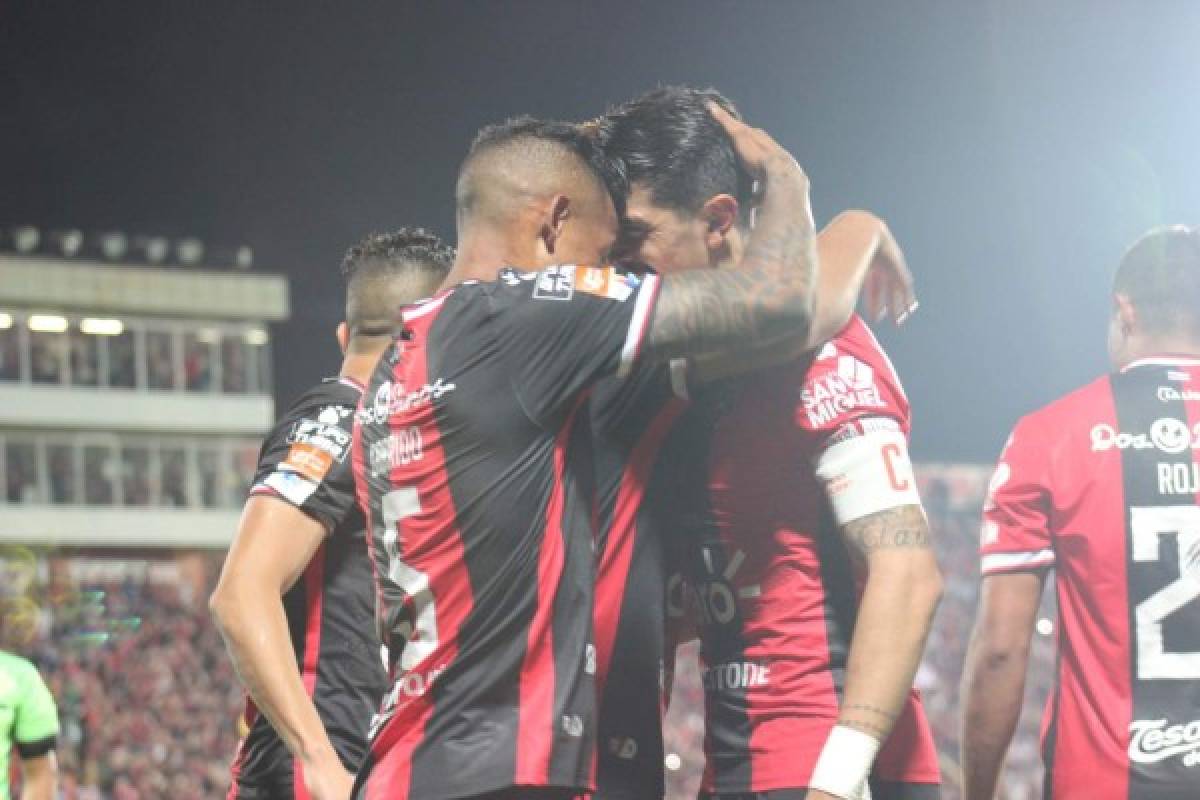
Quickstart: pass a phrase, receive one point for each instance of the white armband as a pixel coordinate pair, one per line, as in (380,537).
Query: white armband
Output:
(845,764)
(867,474)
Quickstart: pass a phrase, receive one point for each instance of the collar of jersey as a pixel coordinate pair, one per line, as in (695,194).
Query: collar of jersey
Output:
(1165,360)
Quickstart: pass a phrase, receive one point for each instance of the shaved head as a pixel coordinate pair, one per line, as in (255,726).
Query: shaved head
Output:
(388,270)
(516,165)
(1160,274)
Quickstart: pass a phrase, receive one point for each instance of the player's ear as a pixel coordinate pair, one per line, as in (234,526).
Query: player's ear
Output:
(1125,313)
(343,336)
(554,221)
(719,215)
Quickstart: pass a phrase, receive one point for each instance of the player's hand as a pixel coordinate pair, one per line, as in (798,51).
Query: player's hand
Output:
(761,156)
(889,290)
(328,781)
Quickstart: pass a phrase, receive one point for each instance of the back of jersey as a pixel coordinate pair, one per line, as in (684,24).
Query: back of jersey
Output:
(1103,486)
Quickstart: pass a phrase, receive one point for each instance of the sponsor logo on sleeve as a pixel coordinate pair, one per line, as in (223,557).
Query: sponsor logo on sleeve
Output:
(852,387)
(293,487)
(555,283)
(1153,740)
(309,460)
(323,434)
(606,282)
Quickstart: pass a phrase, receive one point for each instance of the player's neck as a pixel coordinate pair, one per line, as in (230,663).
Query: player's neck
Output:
(360,359)
(1163,347)
(481,255)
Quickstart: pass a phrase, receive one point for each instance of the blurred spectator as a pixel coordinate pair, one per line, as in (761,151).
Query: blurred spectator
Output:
(173,487)
(197,363)
(85,359)
(46,356)
(10,354)
(60,461)
(122,372)
(234,368)
(135,476)
(20,469)
(97,475)
(160,361)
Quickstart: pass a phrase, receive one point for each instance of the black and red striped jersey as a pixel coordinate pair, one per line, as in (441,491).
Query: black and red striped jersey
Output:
(477,488)
(305,461)
(772,585)
(1103,486)
(629,421)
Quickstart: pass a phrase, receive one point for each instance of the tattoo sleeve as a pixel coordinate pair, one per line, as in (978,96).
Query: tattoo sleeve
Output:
(769,294)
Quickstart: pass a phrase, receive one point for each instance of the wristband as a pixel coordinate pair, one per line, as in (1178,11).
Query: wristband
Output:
(845,764)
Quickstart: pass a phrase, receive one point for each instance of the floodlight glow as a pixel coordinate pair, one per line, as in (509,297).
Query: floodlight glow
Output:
(26,238)
(244,258)
(256,337)
(189,251)
(6,321)
(208,336)
(113,245)
(47,323)
(102,327)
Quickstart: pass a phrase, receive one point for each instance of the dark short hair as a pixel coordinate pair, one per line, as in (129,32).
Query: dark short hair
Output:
(578,140)
(668,140)
(418,259)
(1160,274)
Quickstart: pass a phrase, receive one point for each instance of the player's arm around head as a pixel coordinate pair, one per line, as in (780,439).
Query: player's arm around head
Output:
(704,310)
(275,541)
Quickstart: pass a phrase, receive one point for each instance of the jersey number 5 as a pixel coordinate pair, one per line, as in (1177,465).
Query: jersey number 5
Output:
(420,633)
(1147,524)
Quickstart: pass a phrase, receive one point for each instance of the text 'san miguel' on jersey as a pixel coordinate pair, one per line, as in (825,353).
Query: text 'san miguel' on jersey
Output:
(774,591)
(305,462)
(474,479)
(1102,486)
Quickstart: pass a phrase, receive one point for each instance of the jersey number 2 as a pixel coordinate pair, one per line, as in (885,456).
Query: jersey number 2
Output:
(1147,524)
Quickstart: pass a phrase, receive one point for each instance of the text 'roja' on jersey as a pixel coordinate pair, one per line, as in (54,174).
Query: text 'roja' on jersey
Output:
(477,493)
(1102,486)
(771,582)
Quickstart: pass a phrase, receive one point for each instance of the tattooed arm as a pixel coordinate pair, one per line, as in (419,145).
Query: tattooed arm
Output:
(903,586)
(772,294)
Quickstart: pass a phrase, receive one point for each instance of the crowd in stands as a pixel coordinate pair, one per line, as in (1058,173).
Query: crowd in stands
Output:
(149,701)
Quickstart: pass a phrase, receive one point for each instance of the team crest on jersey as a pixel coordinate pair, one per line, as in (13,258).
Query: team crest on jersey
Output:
(555,283)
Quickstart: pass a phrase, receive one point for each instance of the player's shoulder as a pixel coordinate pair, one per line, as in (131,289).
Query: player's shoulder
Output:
(15,670)
(562,282)
(330,402)
(1080,406)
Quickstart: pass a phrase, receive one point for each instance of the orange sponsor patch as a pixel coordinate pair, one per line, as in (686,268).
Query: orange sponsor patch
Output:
(593,280)
(308,460)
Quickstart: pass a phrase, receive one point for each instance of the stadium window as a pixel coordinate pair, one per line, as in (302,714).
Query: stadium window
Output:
(244,459)
(235,364)
(20,471)
(47,349)
(209,476)
(84,358)
(99,468)
(160,360)
(174,476)
(11,351)
(260,366)
(198,362)
(62,472)
(122,360)
(135,476)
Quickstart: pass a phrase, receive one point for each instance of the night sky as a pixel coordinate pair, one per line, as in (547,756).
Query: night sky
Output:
(1014,149)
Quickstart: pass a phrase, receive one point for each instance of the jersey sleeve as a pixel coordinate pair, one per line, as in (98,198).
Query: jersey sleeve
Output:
(567,327)
(1015,535)
(35,724)
(854,419)
(305,461)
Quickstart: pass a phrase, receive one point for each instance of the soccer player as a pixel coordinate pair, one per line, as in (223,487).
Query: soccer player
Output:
(681,155)
(29,720)
(294,601)
(479,513)
(1101,486)
(803,538)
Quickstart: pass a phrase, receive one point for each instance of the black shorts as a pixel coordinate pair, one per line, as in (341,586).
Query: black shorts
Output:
(880,790)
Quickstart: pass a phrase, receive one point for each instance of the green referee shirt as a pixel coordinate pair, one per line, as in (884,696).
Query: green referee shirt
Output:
(28,716)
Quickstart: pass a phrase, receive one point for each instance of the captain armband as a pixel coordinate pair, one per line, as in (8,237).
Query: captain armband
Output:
(865,473)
